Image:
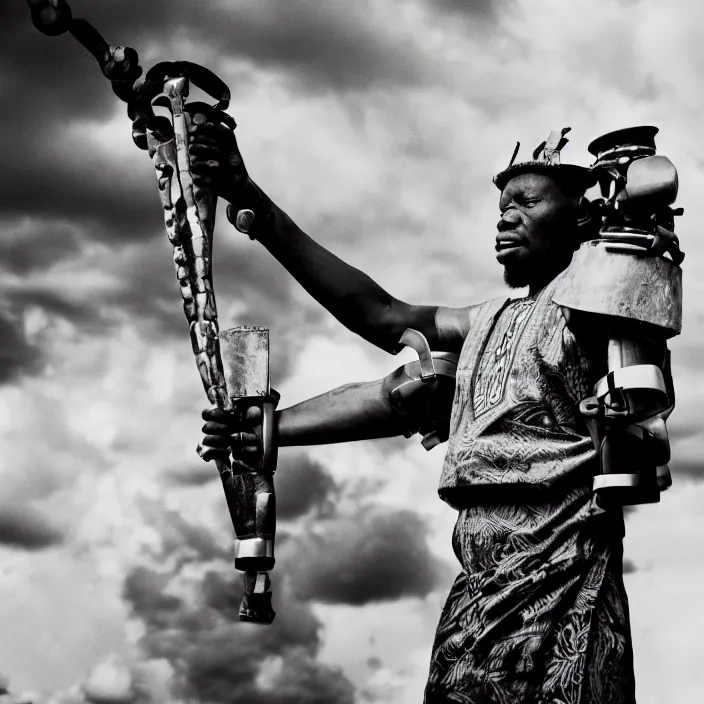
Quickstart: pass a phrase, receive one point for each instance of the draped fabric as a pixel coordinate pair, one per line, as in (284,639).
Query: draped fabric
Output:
(515,418)
(538,614)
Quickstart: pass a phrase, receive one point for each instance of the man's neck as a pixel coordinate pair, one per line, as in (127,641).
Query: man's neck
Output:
(541,281)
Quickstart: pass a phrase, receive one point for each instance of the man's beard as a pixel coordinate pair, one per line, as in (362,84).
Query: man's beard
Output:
(516,276)
(536,272)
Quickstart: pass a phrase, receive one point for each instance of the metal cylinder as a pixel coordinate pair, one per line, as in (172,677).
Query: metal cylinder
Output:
(628,474)
(254,521)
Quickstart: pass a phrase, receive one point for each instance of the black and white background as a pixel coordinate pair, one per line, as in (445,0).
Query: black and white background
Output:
(377,126)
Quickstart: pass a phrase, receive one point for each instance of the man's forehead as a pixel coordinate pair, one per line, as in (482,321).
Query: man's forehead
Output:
(529,182)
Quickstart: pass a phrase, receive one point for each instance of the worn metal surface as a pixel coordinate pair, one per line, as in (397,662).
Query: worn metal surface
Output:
(652,184)
(245,360)
(624,285)
(189,216)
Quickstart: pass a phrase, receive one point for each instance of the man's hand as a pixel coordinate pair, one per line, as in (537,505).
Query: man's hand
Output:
(238,431)
(217,164)
(216,161)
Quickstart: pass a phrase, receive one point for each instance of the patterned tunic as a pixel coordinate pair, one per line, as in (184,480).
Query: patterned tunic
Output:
(539,613)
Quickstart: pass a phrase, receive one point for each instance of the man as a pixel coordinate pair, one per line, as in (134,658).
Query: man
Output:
(539,612)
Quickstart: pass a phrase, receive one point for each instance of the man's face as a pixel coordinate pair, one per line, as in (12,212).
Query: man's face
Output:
(536,233)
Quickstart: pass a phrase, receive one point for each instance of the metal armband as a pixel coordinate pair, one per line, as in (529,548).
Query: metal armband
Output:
(625,277)
(422,391)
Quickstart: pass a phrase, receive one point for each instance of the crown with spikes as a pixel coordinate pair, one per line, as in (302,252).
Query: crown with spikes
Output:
(546,159)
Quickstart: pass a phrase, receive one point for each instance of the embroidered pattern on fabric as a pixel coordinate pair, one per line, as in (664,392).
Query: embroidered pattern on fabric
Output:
(538,614)
(496,362)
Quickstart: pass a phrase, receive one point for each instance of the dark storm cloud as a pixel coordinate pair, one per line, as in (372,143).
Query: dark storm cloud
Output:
(324,45)
(27,529)
(88,315)
(217,658)
(224,661)
(145,591)
(17,356)
(141,290)
(146,293)
(193,474)
(30,244)
(55,84)
(192,541)
(148,296)
(301,486)
(338,45)
(373,556)
(487,10)
(112,207)
(341,46)
(52,82)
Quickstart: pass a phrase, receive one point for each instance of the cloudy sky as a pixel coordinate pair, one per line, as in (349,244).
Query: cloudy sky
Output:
(377,126)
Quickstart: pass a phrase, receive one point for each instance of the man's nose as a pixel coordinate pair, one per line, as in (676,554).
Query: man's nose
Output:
(509,221)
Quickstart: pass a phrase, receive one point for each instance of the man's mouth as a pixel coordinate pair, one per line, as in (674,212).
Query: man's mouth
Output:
(504,247)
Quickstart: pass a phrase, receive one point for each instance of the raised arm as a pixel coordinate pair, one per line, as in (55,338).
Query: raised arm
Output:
(355,299)
(349,294)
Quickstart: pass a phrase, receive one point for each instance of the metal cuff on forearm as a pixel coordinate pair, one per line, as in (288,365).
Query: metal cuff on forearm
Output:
(421,392)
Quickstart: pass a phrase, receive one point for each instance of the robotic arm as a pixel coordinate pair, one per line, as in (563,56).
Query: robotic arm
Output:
(415,397)
(624,278)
